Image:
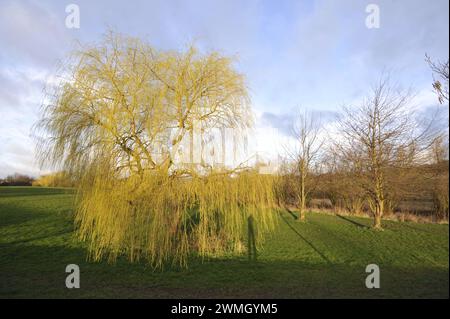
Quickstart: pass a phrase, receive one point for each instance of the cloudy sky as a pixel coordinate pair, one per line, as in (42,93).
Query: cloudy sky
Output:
(314,54)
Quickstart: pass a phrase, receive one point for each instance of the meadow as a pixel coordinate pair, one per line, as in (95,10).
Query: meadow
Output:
(324,257)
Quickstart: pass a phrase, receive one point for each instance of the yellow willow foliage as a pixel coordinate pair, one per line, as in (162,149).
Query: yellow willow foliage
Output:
(114,123)
(165,219)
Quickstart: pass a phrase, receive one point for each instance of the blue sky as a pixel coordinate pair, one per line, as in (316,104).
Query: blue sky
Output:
(314,54)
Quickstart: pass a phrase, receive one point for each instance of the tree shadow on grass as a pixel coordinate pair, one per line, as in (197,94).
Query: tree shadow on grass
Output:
(17,191)
(291,213)
(46,236)
(306,240)
(39,272)
(352,221)
(12,214)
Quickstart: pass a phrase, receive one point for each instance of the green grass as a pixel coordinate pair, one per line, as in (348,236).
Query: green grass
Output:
(324,257)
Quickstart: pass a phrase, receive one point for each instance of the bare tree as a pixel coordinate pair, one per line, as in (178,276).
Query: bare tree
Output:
(439,149)
(306,131)
(439,176)
(377,135)
(440,85)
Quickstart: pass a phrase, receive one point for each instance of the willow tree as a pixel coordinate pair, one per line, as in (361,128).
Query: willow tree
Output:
(117,120)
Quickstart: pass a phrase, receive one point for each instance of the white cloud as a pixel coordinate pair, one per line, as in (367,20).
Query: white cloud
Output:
(317,54)
(18,112)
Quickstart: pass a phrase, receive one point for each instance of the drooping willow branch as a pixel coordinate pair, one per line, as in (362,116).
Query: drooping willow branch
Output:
(115,122)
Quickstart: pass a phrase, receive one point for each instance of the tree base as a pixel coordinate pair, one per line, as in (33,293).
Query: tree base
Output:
(301,218)
(377,227)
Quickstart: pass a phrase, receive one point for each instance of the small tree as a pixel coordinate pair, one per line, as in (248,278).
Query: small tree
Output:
(440,176)
(377,135)
(306,130)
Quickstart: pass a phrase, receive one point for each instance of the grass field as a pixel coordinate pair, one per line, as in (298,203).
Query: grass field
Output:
(324,257)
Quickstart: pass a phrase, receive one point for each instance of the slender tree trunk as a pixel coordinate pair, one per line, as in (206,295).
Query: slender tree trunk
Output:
(302,206)
(377,221)
(379,197)
(302,198)
(378,214)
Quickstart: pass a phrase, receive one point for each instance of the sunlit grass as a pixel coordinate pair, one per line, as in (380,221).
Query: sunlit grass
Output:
(323,257)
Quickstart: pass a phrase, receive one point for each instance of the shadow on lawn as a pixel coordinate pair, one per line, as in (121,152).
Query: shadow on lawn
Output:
(8,192)
(12,214)
(305,240)
(39,272)
(352,221)
(46,236)
(291,213)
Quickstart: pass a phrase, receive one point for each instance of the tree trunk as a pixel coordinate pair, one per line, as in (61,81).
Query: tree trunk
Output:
(377,222)
(302,194)
(302,203)
(379,198)
(302,210)
(301,214)
(378,214)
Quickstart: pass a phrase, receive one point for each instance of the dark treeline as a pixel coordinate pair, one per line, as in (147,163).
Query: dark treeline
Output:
(58,179)
(17,179)
(381,157)
(415,192)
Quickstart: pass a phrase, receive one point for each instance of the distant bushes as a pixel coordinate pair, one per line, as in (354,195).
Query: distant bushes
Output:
(417,193)
(17,179)
(59,179)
